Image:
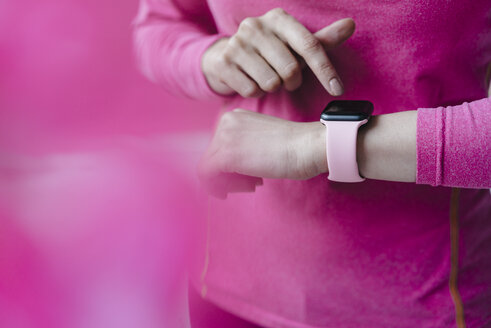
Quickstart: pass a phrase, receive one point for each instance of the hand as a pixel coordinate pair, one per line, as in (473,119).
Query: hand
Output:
(248,146)
(268,52)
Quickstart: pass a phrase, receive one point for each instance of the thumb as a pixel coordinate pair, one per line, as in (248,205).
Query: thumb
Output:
(335,34)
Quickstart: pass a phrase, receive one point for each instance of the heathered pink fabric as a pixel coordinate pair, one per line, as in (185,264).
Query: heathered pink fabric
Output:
(374,254)
(453,145)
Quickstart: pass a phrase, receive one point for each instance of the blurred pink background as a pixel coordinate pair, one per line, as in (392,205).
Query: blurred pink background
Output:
(96,168)
(67,70)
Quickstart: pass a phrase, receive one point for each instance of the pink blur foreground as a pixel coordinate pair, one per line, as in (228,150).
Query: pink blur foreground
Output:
(96,169)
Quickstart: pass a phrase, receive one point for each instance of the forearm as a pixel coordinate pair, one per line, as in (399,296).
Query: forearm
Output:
(444,146)
(386,147)
(388,144)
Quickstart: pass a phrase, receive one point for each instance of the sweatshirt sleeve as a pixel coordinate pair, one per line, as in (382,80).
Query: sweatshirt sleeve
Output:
(453,145)
(170,37)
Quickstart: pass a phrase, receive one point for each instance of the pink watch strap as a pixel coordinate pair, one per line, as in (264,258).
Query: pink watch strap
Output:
(341,139)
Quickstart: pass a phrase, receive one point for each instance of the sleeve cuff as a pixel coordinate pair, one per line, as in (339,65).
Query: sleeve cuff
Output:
(429,146)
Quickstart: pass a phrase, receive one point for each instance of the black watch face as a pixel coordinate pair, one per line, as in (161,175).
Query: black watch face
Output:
(347,110)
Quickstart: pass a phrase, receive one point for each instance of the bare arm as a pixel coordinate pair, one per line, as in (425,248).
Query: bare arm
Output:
(387,145)
(249,146)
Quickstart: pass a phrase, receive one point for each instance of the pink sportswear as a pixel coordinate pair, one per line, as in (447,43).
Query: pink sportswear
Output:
(374,254)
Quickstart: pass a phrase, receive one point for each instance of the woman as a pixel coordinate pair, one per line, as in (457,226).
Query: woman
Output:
(302,252)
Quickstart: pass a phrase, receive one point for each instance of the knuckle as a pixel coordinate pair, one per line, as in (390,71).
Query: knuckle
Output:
(249,25)
(323,67)
(271,84)
(310,44)
(235,43)
(249,91)
(291,70)
(295,85)
(219,59)
(227,121)
(276,12)
(217,63)
(229,55)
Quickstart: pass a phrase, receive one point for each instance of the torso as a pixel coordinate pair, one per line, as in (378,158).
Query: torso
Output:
(322,254)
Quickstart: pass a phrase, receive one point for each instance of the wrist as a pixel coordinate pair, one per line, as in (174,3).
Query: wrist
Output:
(363,143)
(386,147)
(306,150)
(316,146)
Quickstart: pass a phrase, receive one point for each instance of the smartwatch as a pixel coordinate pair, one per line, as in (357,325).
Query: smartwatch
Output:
(342,119)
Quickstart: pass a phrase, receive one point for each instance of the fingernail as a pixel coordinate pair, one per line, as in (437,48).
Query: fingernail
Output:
(336,87)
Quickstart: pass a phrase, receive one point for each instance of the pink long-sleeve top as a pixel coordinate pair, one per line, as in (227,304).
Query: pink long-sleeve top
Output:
(374,254)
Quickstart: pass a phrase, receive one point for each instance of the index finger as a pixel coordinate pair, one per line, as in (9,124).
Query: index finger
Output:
(304,43)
